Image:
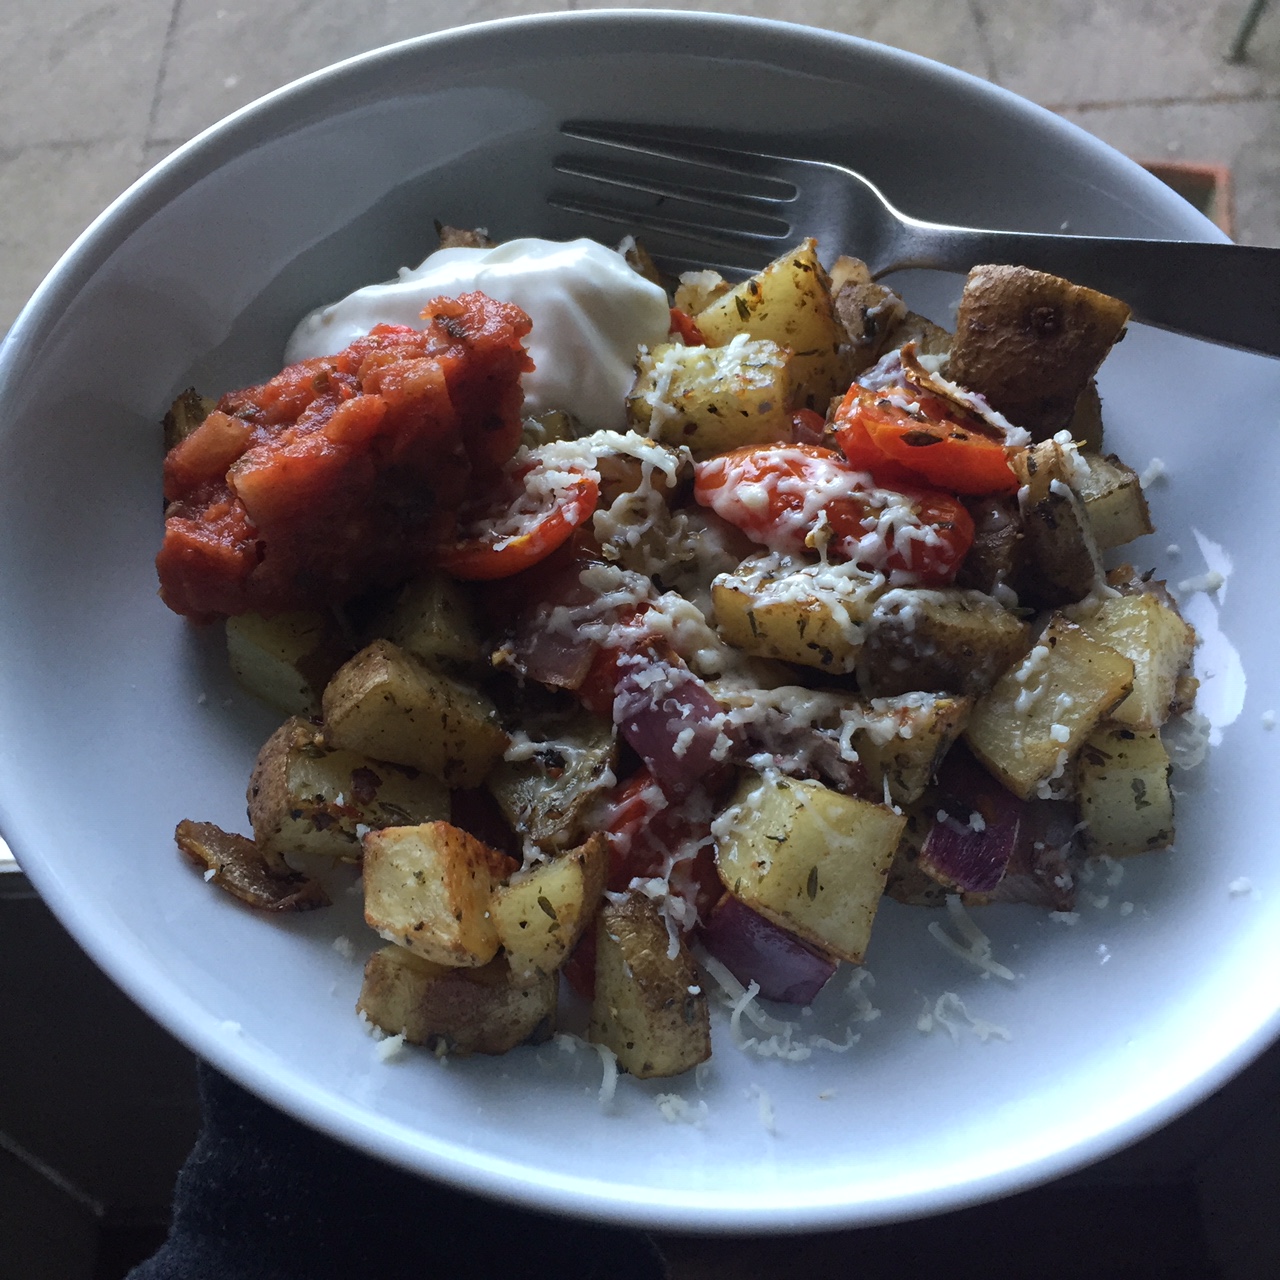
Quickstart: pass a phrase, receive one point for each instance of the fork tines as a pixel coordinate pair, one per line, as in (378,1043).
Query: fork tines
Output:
(692,192)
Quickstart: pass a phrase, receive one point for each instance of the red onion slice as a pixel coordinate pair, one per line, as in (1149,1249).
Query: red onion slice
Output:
(756,950)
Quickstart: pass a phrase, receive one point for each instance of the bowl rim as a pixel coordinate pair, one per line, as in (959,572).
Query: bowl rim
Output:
(128,963)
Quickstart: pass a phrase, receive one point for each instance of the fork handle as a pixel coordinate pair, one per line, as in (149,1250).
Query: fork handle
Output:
(1226,293)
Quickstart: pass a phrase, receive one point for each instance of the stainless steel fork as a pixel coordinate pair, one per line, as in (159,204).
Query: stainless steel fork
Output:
(702,205)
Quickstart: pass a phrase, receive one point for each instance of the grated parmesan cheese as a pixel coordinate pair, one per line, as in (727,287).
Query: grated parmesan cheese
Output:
(677,1110)
(949,1013)
(764,1109)
(973,946)
(390,1048)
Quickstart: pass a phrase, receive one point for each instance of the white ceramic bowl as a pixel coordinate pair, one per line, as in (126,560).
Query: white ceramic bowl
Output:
(117,719)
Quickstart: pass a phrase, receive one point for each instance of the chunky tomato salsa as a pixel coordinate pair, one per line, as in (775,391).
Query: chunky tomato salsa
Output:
(344,472)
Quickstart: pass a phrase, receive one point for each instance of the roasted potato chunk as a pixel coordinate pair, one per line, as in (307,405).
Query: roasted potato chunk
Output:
(306,797)
(545,796)
(1122,788)
(997,552)
(947,641)
(541,914)
(1031,342)
(429,888)
(867,313)
(697,290)
(185,414)
(806,614)
(285,660)
(1061,562)
(455,1010)
(713,398)
(809,859)
(788,303)
(1042,709)
(432,620)
(1113,501)
(1153,636)
(387,704)
(238,867)
(907,760)
(649,1007)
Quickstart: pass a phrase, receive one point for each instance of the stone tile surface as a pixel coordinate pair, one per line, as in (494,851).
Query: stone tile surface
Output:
(223,55)
(49,194)
(944,30)
(1062,52)
(1245,136)
(76,70)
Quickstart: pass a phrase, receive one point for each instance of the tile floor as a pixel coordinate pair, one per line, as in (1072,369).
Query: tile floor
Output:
(92,92)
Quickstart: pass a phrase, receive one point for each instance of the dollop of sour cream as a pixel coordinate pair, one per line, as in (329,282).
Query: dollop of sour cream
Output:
(590,313)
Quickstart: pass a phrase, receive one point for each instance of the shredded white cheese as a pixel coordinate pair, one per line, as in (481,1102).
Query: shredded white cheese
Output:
(390,1048)
(973,946)
(764,1109)
(677,1110)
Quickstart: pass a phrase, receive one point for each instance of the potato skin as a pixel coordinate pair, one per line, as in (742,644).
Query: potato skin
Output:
(387,704)
(1030,342)
(307,797)
(459,1010)
(649,1007)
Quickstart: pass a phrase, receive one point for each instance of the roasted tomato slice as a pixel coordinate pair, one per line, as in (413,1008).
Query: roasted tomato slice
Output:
(899,433)
(797,498)
(519,522)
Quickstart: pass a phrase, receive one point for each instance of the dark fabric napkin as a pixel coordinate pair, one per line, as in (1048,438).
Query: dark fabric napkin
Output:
(261,1197)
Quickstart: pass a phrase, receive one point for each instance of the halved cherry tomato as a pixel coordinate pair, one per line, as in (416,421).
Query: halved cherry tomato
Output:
(788,496)
(499,536)
(644,830)
(898,431)
(683,324)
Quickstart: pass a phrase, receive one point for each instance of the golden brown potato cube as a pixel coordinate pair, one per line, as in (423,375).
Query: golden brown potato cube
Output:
(432,620)
(1113,501)
(697,290)
(807,615)
(285,660)
(1030,343)
(649,1007)
(541,914)
(948,640)
(788,303)
(713,398)
(1039,713)
(234,863)
(1157,641)
(306,797)
(430,888)
(927,724)
(809,859)
(456,1010)
(387,704)
(1122,788)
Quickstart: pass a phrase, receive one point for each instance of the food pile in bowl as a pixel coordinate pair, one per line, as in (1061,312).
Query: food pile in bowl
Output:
(636,636)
